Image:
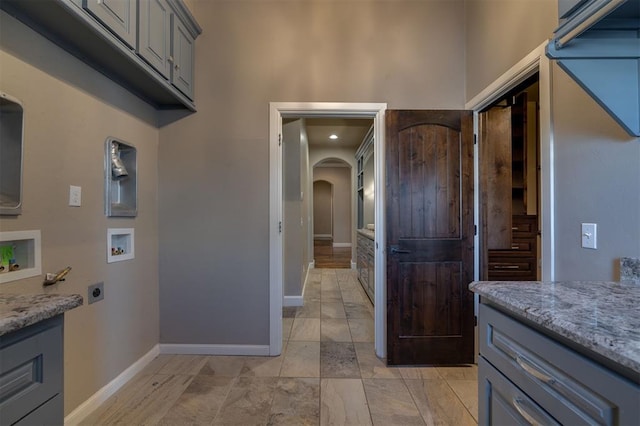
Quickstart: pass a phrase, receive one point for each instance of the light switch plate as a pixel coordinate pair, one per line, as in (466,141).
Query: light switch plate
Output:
(75,196)
(589,235)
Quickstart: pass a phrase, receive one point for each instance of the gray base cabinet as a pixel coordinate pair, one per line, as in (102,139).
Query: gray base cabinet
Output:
(366,265)
(527,377)
(31,375)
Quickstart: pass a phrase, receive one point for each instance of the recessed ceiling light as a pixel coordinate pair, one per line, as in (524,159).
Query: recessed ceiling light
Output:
(333,137)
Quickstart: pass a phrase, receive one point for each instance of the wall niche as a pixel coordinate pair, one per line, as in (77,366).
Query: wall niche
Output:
(11,139)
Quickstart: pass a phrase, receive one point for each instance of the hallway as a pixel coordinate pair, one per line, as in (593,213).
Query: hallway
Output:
(326,255)
(327,374)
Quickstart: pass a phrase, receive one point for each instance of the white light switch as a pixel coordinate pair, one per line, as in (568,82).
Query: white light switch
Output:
(590,235)
(75,196)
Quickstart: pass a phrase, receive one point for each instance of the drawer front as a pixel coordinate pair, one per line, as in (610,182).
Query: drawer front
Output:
(524,226)
(49,413)
(570,387)
(30,368)
(500,402)
(511,265)
(522,246)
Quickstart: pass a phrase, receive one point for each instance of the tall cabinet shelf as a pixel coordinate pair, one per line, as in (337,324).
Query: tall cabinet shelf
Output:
(364,195)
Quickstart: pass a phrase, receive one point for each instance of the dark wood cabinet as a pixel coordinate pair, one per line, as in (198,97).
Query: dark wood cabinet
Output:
(519,263)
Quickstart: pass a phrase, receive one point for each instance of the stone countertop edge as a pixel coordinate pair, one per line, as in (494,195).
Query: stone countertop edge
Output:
(18,311)
(367,233)
(600,316)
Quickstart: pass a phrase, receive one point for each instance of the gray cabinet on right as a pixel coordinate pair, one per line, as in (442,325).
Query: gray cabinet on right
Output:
(527,377)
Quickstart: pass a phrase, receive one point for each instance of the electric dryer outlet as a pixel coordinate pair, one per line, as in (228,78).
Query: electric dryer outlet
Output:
(95,292)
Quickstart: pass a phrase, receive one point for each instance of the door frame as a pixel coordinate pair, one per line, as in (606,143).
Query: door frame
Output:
(278,110)
(535,61)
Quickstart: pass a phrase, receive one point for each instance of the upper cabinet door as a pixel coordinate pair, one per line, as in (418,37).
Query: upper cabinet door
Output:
(117,15)
(182,53)
(154,34)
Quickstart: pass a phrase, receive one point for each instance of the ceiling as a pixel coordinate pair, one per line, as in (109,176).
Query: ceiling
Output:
(350,132)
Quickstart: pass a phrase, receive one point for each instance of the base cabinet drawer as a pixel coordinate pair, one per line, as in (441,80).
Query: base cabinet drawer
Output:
(52,409)
(31,363)
(500,402)
(569,386)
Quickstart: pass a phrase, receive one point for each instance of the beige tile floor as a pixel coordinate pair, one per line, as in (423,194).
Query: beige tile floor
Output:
(328,374)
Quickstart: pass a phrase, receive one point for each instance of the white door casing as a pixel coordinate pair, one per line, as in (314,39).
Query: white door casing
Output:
(278,110)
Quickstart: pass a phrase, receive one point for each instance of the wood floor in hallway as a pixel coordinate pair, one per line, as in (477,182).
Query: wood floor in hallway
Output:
(328,256)
(327,374)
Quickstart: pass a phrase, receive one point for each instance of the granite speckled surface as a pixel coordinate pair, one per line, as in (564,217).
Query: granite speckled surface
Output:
(367,233)
(630,270)
(602,317)
(21,310)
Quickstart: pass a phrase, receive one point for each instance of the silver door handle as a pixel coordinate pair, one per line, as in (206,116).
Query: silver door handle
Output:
(527,366)
(396,250)
(518,404)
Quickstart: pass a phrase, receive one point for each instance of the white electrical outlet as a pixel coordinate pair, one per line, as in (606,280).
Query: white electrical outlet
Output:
(75,196)
(590,235)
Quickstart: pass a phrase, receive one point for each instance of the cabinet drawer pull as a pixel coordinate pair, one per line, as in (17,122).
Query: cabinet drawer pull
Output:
(507,267)
(518,403)
(527,366)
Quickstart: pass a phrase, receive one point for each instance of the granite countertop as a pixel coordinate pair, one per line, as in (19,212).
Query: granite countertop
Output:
(601,317)
(21,310)
(367,233)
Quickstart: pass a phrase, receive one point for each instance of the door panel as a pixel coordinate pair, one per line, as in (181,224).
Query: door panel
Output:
(496,178)
(430,237)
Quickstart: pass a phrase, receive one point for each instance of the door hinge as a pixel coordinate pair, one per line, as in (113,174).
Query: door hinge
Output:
(475,229)
(280,227)
(475,321)
(279,139)
(475,139)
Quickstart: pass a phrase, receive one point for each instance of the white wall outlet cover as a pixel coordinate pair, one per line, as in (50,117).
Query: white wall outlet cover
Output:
(75,196)
(589,235)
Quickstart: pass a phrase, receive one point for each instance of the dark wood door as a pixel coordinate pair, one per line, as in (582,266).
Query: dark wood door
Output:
(429,205)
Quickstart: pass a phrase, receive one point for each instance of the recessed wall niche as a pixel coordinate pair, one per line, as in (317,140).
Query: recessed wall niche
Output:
(120,174)
(11,137)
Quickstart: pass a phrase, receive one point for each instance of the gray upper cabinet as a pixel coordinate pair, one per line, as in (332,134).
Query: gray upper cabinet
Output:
(146,46)
(154,34)
(566,7)
(182,58)
(117,15)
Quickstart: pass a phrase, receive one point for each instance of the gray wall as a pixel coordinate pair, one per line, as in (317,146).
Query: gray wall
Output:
(501,32)
(322,209)
(295,172)
(70,110)
(597,173)
(214,167)
(340,179)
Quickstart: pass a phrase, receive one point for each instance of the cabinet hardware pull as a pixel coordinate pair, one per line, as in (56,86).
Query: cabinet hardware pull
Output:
(507,267)
(533,371)
(515,247)
(396,250)
(518,404)
(170,59)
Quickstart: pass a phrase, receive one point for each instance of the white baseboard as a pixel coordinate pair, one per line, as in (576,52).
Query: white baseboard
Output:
(292,301)
(342,244)
(322,236)
(184,349)
(312,265)
(354,265)
(95,400)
